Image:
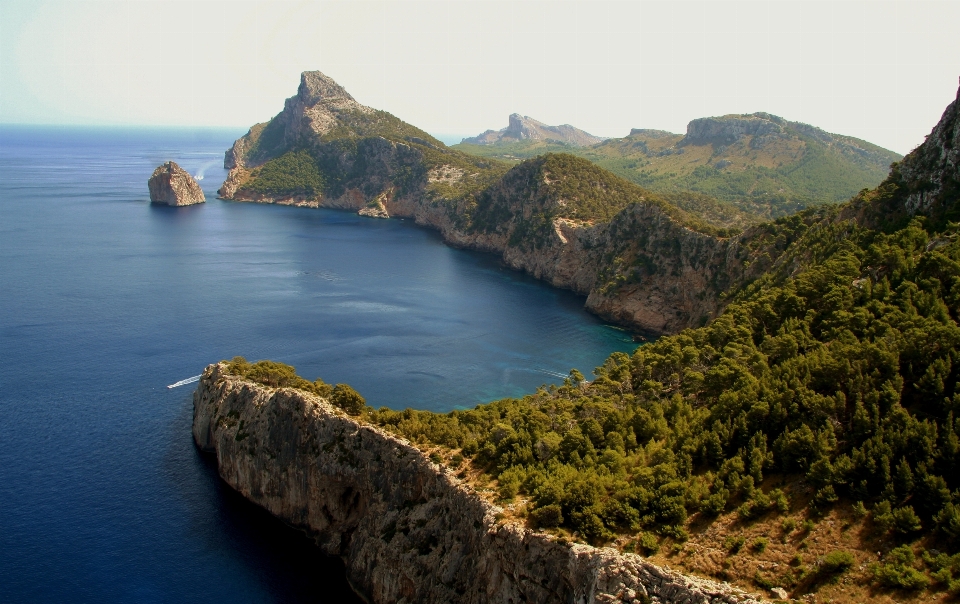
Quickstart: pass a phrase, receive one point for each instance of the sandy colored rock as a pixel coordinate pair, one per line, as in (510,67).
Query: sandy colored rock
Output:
(173,186)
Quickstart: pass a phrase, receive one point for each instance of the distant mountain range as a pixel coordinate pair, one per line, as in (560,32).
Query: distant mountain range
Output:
(765,165)
(525,128)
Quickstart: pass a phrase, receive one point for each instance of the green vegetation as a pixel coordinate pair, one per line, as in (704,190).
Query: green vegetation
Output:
(837,562)
(309,169)
(766,178)
(898,570)
(531,195)
(280,375)
(841,373)
(293,173)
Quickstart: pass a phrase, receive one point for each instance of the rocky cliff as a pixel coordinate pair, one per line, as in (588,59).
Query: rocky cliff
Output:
(930,175)
(524,128)
(407,529)
(173,186)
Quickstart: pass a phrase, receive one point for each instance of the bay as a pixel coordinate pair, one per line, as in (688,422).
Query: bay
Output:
(105,300)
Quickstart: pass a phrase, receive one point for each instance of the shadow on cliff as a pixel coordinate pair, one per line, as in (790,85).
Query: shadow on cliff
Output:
(285,560)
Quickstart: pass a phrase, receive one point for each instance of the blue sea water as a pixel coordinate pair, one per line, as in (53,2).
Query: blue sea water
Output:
(105,300)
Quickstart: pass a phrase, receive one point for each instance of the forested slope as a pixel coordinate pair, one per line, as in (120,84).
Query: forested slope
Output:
(818,415)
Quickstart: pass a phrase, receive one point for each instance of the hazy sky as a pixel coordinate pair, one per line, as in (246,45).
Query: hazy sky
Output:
(881,71)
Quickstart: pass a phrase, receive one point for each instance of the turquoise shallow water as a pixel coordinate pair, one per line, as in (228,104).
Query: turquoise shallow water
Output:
(106,299)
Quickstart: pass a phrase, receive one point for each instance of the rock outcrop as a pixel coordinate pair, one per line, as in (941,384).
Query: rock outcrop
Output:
(524,127)
(407,529)
(930,174)
(173,186)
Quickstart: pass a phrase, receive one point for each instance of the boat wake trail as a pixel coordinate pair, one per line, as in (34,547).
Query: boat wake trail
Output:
(553,373)
(203,170)
(189,380)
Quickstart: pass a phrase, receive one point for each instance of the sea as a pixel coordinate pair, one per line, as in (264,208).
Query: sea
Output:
(106,300)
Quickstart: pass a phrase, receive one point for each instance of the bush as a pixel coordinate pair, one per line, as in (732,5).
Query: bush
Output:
(348,399)
(648,544)
(713,505)
(897,570)
(905,521)
(836,562)
(734,544)
(548,516)
(859,510)
(759,544)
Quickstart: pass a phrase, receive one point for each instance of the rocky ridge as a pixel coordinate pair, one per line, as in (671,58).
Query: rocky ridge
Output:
(524,127)
(407,528)
(173,186)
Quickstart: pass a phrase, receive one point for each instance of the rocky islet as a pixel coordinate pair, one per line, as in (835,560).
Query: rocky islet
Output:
(173,186)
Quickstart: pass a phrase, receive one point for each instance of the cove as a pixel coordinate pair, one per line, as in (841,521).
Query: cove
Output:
(106,300)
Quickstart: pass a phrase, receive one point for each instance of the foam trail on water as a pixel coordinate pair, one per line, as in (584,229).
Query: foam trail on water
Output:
(189,380)
(553,373)
(203,169)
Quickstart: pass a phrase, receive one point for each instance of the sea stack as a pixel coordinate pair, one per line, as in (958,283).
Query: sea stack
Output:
(173,186)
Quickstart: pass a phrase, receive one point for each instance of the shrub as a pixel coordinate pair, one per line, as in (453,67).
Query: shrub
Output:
(759,544)
(348,399)
(859,510)
(905,521)
(897,570)
(713,504)
(836,562)
(548,516)
(734,544)
(676,531)
(648,544)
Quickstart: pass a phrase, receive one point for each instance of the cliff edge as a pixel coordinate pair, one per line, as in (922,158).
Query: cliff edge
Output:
(407,529)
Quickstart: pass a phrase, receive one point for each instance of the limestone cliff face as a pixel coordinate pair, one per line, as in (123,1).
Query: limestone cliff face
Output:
(931,173)
(407,529)
(171,185)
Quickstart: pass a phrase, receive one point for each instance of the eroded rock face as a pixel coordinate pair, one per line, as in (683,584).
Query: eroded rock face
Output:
(173,186)
(407,529)
(931,172)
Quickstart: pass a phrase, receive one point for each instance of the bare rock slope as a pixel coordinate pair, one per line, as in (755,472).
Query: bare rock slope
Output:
(173,186)
(407,529)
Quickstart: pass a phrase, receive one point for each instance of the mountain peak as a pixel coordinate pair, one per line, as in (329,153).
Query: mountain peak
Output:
(523,127)
(316,87)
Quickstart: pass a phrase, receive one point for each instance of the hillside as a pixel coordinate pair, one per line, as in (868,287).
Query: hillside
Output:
(805,441)
(763,164)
